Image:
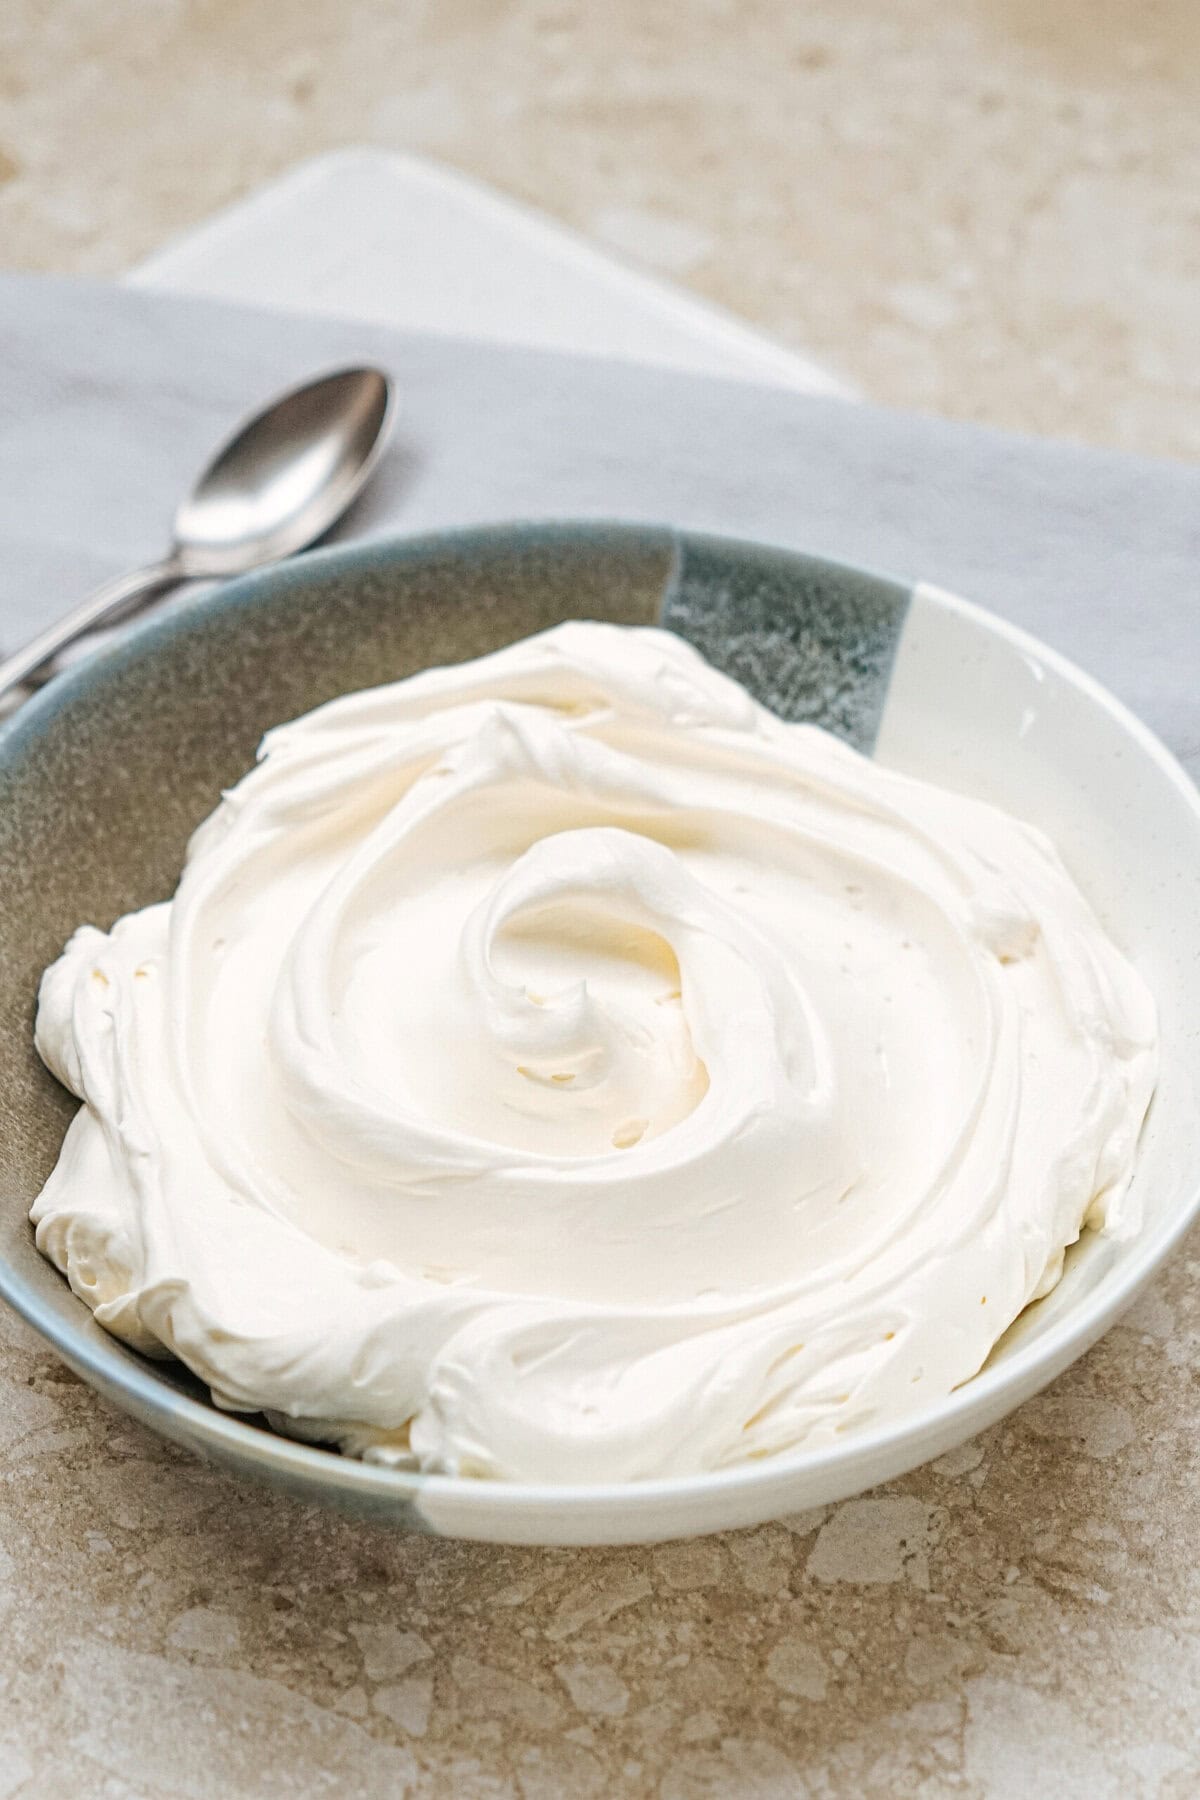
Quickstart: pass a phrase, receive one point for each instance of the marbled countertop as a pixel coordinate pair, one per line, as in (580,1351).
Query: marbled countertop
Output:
(989,210)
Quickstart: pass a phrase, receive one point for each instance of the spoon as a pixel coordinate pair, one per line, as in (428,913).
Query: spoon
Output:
(278,484)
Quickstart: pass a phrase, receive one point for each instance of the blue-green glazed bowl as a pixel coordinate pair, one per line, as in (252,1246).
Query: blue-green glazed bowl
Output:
(104,775)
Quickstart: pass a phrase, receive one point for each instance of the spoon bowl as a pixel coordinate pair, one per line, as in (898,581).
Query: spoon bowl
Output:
(287,475)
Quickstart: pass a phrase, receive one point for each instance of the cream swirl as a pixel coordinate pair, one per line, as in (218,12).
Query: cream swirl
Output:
(558,1068)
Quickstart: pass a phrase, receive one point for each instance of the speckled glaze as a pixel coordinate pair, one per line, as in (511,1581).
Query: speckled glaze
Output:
(104,776)
(814,640)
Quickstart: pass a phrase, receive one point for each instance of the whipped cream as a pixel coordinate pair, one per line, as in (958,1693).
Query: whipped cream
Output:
(557,1068)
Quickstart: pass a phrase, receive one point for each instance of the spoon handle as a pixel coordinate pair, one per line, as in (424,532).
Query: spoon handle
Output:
(102,607)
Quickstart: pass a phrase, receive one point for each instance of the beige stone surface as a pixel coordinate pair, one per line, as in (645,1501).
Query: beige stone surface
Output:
(990,209)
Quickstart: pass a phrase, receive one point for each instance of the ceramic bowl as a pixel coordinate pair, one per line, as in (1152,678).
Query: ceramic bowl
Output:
(106,772)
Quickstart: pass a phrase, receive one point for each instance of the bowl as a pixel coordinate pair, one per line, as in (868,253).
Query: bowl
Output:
(105,773)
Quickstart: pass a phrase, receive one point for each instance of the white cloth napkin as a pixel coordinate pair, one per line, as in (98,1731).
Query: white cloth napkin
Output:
(113,398)
(396,240)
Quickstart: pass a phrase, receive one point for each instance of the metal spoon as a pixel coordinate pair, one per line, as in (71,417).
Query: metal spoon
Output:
(278,484)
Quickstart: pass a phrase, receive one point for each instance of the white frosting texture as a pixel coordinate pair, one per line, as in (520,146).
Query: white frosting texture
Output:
(557,1068)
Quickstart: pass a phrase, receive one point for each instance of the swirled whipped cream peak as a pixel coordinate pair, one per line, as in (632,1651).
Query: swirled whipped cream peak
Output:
(558,1068)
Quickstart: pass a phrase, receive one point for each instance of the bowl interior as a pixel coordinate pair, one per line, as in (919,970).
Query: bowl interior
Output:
(984,708)
(104,776)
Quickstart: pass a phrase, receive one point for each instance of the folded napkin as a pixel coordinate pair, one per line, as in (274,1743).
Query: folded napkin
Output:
(364,233)
(112,398)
